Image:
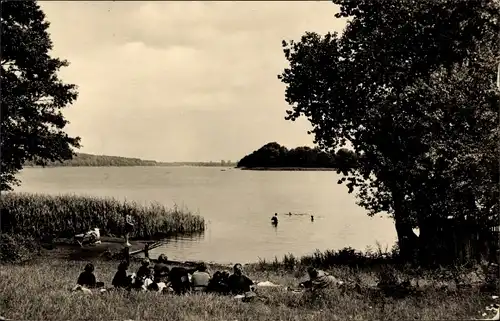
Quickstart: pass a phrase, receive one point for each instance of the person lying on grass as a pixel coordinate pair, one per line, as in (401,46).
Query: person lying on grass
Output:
(319,280)
(87,278)
(91,237)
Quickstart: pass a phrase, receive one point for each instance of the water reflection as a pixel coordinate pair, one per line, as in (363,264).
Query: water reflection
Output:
(186,237)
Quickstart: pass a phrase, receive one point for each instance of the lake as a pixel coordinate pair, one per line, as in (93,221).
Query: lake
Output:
(237,206)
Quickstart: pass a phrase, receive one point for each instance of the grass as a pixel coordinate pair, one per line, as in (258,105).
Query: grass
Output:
(39,290)
(63,216)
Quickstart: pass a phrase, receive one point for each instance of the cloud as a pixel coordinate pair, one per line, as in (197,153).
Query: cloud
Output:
(181,80)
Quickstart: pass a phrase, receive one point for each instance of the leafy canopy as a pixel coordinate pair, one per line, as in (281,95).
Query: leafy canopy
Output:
(273,155)
(32,124)
(410,85)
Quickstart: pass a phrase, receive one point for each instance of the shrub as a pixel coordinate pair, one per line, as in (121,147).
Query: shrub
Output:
(17,249)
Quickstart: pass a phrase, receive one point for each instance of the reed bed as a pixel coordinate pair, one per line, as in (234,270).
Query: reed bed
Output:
(63,216)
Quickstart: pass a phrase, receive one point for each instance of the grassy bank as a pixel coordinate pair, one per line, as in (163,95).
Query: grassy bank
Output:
(40,291)
(347,257)
(40,216)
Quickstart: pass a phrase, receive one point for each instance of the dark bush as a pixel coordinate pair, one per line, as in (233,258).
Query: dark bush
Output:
(17,249)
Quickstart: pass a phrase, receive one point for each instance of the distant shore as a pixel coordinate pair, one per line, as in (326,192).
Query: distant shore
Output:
(90,160)
(287,168)
(140,165)
(218,165)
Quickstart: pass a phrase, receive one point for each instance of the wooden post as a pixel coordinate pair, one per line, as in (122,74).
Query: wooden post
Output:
(126,252)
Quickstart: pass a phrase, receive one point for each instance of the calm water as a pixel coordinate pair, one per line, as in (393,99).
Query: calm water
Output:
(237,206)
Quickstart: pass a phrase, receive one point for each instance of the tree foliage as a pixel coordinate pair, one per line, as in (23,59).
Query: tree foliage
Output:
(32,124)
(82,159)
(273,155)
(411,86)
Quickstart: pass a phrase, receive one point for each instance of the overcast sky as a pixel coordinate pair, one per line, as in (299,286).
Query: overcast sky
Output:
(181,81)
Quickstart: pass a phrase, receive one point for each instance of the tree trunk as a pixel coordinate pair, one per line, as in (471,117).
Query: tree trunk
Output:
(432,240)
(407,239)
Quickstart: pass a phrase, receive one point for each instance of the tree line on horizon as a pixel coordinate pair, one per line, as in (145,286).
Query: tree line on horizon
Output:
(83,159)
(90,160)
(274,155)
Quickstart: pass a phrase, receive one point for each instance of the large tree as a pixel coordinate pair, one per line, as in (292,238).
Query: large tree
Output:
(32,125)
(410,85)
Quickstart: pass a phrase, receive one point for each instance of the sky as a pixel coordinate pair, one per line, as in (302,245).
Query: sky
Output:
(181,81)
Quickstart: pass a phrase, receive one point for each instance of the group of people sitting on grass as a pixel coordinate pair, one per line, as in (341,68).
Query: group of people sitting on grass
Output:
(161,278)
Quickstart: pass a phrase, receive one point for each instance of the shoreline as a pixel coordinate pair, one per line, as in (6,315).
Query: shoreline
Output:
(143,165)
(67,249)
(292,169)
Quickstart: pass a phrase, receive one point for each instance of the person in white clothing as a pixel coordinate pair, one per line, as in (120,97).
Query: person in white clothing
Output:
(129,228)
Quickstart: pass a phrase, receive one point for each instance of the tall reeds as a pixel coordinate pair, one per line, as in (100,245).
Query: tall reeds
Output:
(63,216)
